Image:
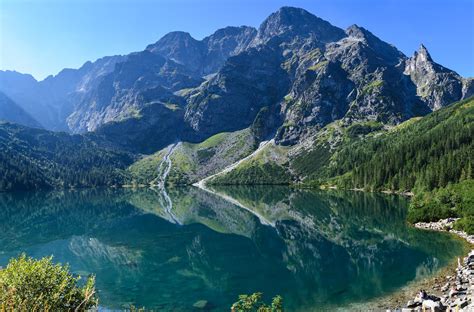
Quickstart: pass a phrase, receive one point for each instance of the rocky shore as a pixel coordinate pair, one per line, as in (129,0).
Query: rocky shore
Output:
(456,292)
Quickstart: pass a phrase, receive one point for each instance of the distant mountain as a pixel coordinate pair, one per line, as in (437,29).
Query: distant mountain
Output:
(10,111)
(208,55)
(287,79)
(52,100)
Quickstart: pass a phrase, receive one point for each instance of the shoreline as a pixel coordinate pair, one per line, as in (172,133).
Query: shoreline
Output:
(452,288)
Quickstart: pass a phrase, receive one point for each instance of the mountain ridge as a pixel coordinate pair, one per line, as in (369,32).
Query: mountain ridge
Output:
(291,76)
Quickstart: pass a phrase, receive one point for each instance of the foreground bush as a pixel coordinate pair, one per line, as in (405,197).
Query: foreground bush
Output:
(27,284)
(254,303)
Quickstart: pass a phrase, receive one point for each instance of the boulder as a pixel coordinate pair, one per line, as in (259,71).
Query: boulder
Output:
(412,304)
(201,304)
(445,287)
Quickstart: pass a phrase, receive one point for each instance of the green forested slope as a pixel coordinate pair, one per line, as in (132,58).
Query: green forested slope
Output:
(37,159)
(430,156)
(423,155)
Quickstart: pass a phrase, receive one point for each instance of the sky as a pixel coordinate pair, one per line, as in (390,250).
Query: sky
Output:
(41,37)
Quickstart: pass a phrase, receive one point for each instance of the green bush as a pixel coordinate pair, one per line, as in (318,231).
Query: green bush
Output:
(254,303)
(454,200)
(465,224)
(427,207)
(364,128)
(254,173)
(27,284)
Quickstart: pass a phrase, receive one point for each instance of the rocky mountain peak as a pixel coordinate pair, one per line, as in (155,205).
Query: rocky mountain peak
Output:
(230,40)
(422,55)
(436,85)
(422,63)
(225,42)
(229,31)
(172,38)
(357,31)
(381,48)
(180,47)
(289,22)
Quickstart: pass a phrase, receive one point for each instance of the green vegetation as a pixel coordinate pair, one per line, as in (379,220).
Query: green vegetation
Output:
(254,174)
(455,200)
(268,166)
(427,154)
(145,170)
(313,162)
(363,128)
(39,159)
(373,86)
(27,284)
(318,65)
(254,303)
(194,161)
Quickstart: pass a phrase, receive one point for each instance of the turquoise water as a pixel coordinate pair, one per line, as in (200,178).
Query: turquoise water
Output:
(317,249)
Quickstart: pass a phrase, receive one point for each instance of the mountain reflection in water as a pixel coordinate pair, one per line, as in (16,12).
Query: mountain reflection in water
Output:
(315,248)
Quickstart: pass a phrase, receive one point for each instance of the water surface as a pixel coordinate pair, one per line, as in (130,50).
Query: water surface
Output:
(317,249)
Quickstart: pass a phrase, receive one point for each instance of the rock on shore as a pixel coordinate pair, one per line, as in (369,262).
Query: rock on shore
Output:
(457,293)
(445,225)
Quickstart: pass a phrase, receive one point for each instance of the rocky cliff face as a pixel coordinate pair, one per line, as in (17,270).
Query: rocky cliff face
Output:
(208,55)
(289,78)
(296,29)
(435,84)
(143,79)
(158,76)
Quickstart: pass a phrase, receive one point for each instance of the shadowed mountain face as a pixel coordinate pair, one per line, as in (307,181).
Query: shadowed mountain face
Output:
(53,99)
(316,249)
(11,112)
(297,70)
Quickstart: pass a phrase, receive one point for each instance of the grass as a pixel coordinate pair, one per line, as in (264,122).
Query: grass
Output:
(373,86)
(193,161)
(269,166)
(145,170)
(318,66)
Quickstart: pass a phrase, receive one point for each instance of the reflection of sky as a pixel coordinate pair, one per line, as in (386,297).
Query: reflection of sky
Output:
(325,247)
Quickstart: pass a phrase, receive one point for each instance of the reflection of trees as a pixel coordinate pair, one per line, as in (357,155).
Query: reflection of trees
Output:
(34,217)
(353,243)
(326,247)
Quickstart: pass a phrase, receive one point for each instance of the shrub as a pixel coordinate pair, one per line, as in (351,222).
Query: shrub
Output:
(465,224)
(29,284)
(254,303)
(425,207)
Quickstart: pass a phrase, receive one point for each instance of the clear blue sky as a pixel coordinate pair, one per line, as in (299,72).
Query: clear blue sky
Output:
(42,37)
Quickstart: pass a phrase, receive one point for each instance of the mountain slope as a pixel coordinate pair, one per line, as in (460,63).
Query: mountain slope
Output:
(192,162)
(39,159)
(420,154)
(322,95)
(10,111)
(426,154)
(292,76)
